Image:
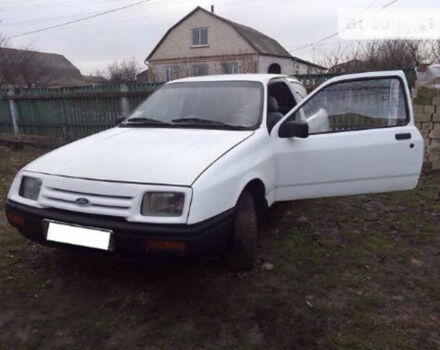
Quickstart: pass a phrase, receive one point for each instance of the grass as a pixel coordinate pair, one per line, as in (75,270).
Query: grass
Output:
(356,272)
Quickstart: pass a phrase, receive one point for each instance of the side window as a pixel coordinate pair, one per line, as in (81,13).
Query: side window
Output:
(357,105)
(300,91)
(300,97)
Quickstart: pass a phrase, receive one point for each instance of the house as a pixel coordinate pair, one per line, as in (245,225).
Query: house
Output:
(33,68)
(352,66)
(95,80)
(204,43)
(143,77)
(301,66)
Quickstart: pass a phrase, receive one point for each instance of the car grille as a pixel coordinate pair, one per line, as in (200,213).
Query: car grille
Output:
(100,203)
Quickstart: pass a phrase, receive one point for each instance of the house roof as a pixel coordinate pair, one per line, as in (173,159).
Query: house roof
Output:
(66,72)
(349,65)
(143,76)
(55,60)
(95,79)
(260,42)
(300,60)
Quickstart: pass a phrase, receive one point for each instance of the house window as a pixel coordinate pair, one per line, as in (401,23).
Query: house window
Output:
(168,73)
(199,37)
(229,68)
(200,69)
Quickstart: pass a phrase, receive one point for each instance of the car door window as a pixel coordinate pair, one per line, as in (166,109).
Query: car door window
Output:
(356,105)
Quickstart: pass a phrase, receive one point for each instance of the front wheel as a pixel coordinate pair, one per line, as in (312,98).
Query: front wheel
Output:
(242,252)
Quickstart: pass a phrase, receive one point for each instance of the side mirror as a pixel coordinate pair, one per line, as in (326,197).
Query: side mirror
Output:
(120,119)
(294,128)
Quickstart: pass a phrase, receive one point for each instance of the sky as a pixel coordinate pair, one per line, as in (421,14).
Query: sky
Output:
(133,32)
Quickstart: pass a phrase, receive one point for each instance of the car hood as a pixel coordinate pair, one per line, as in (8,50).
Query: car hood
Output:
(143,155)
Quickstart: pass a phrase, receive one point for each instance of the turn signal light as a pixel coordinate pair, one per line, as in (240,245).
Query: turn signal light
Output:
(15,219)
(165,245)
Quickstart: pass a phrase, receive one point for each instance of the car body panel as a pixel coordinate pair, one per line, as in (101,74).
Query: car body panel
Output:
(107,198)
(349,162)
(150,155)
(253,159)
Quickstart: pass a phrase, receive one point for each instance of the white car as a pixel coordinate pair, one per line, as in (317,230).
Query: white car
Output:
(197,164)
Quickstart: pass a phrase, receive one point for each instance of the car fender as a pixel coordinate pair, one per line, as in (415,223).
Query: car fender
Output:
(217,189)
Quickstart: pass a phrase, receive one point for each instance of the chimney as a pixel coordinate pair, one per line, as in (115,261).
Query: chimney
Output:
(212,8)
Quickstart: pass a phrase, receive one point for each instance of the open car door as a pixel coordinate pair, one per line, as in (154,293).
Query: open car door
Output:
(361,139)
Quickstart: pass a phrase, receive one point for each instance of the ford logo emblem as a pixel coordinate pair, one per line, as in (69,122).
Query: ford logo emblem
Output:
(82,201)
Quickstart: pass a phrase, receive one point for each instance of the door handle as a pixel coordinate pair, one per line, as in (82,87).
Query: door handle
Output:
(404,136)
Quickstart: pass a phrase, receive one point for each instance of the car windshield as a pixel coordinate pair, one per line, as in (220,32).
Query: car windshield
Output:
(230,104)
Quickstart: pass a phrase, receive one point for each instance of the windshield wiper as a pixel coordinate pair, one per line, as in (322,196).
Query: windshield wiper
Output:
(145,120)
(201,121)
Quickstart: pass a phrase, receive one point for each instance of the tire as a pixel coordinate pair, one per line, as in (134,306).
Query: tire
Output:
(242,252)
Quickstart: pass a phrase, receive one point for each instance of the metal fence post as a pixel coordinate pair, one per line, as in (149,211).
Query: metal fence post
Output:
(15,115)
(125,105)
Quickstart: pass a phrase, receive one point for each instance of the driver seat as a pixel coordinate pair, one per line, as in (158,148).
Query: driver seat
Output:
(273,115)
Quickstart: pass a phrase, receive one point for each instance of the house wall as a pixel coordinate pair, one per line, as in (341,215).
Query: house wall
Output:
(426,105)
(181,68)
(286,64)
(246,63)
(302,68)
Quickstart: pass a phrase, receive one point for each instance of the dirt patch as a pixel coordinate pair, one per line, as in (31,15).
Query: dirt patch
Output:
(351,272)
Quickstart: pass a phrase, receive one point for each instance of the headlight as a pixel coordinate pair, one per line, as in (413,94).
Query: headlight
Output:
(163,204)
(30,187)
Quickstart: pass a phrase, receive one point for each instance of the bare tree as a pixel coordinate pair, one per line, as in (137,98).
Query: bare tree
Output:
(6,65)
(382,55)
(120,71)
(246,63)
(25,67)
(34,70)
(184,70)
(340,55)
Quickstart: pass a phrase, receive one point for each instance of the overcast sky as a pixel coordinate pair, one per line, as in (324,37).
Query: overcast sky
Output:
(133,32)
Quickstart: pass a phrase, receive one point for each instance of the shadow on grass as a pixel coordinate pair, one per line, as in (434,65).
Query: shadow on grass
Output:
(172,304)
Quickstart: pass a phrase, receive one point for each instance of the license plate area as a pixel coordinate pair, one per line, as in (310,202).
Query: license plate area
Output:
(78,235)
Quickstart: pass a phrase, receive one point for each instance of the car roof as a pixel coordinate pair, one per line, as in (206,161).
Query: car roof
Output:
(262,78)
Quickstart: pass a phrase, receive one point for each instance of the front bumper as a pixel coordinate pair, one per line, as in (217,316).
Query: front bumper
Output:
(205,238)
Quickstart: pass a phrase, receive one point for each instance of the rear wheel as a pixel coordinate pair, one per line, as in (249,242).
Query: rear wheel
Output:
(242,252)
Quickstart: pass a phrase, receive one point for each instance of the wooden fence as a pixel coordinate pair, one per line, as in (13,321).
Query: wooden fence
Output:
(69,113)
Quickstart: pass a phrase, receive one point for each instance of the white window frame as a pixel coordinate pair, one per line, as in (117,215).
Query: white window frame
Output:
(197,68)
(234,67)
(199,29)
(168,73)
